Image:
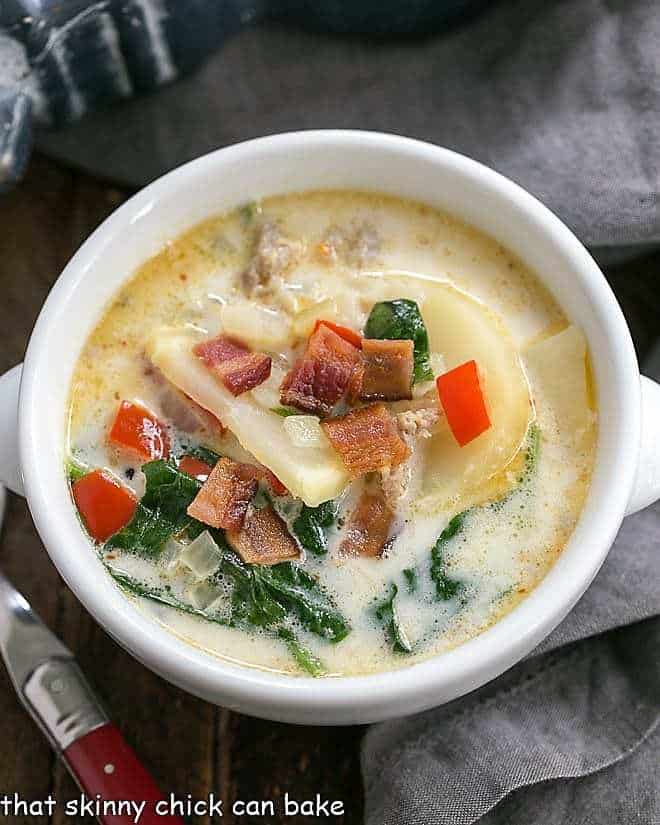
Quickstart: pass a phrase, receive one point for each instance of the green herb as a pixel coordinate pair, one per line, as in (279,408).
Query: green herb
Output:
(411,576)
(386,613)
(401,319)
(311,524)
(162,511)
(263,596)
(285,412)
(446,587)
(202,454)
(169,491)
(302,595)
(75,470)
(161,595)
(305,659)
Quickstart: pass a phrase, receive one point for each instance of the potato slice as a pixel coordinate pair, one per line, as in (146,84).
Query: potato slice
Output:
(259,326)
(460,329)
(314,474)
(558,365)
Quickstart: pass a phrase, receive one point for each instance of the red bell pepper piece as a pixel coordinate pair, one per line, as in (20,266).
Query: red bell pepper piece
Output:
(194,467)
(138,430)
(104,505)
(463,402)
(344,332)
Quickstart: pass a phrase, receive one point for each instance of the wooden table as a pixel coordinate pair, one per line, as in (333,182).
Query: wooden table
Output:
(191,746)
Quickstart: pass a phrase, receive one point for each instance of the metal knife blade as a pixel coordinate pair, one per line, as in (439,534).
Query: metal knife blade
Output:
(25,641)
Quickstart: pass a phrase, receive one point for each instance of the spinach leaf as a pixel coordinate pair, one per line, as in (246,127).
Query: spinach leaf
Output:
(144,535)
(161,512)
(311,524)
(169,491)
(446,587)
(411,575)
(263,596)
(161,595)
(386,613)
(305,659)
(401,319)
(252,602)
(298,592)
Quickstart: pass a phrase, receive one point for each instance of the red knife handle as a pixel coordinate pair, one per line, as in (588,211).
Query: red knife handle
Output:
(106,768)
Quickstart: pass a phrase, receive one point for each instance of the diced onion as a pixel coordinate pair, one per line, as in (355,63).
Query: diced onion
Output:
(170,556)
(305,431)
(202,556)
(203,595)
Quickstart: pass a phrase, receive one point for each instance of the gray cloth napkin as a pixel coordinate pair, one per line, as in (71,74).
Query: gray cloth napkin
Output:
(561,95)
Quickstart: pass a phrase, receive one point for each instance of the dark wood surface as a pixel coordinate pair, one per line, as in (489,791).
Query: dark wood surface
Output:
(191,747)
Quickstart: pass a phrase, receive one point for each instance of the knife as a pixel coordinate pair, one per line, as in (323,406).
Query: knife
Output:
(55,693)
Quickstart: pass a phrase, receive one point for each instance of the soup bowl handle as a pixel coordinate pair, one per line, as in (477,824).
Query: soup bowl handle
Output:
(646,489)
(10,468)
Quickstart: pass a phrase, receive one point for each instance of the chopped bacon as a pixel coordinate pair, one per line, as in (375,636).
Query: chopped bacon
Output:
(139,431)
(319,379)
(387,370)
(238,368)
(263,539)
(366,439)
(224,498)
(369,527)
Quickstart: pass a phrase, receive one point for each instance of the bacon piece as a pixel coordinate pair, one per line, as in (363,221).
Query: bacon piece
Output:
(366,439)
(369,527)
(224,498)
(387,370)
(319,379)
(263,539)
(238,368)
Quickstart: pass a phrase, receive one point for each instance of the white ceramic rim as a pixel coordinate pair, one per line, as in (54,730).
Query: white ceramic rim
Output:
(356,698)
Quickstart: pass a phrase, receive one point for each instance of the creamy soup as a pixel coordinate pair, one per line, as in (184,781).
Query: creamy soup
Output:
(331,433)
